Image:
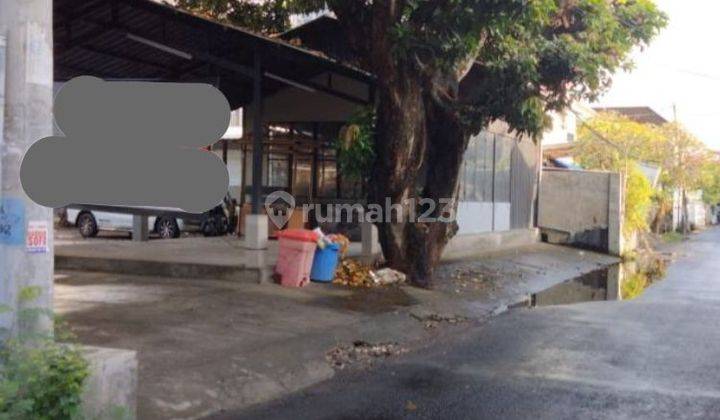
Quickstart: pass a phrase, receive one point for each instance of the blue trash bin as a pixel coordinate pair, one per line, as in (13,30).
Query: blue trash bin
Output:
(325,263)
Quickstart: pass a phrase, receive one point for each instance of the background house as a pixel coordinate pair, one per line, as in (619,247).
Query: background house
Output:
(641,114)
(559,140)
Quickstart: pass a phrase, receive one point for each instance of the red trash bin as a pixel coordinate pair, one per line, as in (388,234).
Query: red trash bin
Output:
(297,249)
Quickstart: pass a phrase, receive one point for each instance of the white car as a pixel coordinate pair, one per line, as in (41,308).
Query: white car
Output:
(90,222)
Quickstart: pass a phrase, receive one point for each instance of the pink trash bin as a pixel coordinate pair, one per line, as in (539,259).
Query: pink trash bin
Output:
(297,249)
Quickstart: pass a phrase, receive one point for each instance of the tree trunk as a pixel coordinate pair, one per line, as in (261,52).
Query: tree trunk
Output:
(400,141)
(420,146)
(445,149)
(658,224)
(419,143)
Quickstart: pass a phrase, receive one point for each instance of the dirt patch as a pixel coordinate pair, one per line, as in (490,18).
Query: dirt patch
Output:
(361,354)
(469,278)
(432,321)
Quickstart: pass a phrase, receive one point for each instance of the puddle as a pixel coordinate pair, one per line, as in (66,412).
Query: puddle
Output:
(625,281)
(370,301)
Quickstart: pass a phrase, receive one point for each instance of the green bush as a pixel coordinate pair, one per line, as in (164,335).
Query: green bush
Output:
(672,237)
(638,197)
(40,379)
(356,146)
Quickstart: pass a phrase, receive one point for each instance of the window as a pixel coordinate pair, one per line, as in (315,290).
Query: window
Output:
(278,170)
(327,173)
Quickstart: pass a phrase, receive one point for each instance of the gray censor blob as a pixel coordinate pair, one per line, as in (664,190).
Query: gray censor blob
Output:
(131,144)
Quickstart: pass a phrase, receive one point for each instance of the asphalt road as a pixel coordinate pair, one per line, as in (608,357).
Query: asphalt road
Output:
(654,357)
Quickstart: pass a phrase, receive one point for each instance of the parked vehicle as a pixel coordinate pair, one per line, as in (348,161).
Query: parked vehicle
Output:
(220,220)
(89,222)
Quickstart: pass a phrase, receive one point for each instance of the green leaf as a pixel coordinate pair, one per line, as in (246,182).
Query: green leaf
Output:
(29,293)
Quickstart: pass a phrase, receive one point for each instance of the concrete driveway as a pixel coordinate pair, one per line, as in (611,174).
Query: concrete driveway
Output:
(654,357)
(207,345)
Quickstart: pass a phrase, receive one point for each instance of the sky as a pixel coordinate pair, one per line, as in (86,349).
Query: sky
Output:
(682,67)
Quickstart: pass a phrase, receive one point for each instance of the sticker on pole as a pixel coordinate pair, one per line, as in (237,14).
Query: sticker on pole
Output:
(37,237)
(12,221)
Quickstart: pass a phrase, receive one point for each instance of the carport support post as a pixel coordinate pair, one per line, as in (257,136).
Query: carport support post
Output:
(257,169)
(256,224)
(140,228)
(26,30)
(370,242)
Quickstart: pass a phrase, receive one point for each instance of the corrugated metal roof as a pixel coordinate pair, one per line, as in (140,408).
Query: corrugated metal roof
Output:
(141,39)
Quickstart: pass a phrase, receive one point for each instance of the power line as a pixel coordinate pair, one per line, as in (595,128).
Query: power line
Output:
(697,74)
(594,131)
(688,71)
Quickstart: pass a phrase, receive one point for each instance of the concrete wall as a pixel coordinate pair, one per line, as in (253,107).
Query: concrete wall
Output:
(582,208)
(110,392)
(466,246)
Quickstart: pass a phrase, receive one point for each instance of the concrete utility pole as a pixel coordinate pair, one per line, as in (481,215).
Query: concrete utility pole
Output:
(26,229)
(685,218)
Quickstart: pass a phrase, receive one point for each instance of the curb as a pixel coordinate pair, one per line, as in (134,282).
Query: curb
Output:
(160,269)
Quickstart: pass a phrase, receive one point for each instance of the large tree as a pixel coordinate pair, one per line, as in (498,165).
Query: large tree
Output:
(447,68)
(611,141)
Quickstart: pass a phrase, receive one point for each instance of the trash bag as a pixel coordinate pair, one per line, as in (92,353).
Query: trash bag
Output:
(387,276)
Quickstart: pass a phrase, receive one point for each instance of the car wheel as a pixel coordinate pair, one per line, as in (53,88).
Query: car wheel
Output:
(167,228)
(222,225)
(215,226)
(87,225)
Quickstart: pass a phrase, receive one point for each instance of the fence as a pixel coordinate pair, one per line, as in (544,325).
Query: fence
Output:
(582,208)
(498,184)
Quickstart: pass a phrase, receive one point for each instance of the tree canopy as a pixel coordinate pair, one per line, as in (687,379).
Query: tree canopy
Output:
(267,17)
(609,141)
(531,56)
(446,69)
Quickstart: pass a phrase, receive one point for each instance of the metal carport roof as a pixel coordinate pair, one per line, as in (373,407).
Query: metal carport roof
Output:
(145,40)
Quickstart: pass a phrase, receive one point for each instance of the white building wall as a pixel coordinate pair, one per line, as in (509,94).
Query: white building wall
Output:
(697,214)
(563,130)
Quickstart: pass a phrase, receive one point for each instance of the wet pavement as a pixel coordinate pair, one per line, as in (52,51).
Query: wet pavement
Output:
(654,355)
(206,345)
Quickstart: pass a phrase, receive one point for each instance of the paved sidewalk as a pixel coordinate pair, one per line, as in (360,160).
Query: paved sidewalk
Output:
(206,345)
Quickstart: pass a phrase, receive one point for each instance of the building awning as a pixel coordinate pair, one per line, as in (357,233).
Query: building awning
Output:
(145,40)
